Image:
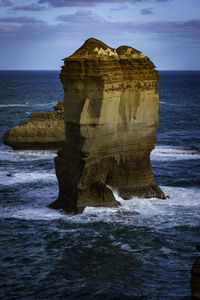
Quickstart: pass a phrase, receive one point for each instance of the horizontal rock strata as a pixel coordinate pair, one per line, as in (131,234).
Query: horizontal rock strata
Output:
(111,115)
(44,130)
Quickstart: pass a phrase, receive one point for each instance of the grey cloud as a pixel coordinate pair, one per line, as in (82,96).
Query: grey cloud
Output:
(85,23)
(146,11)
(31,7)
(6,3)
(187,29)
(118,9)
(82,3)
(81,16)
(86,19)
(67,3)
(20,20)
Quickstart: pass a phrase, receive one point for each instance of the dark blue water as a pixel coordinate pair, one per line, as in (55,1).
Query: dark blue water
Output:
(144,248)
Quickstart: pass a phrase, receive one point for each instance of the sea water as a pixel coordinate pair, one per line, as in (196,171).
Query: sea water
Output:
(144,248)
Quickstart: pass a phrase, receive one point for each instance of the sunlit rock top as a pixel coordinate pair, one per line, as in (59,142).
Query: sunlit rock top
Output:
(93,48)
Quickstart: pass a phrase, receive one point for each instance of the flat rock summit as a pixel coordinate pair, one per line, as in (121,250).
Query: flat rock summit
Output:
(111,116)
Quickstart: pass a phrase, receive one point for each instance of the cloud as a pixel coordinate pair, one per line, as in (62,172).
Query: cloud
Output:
(119,9)
(189,28)
(146,11)
(82,3)
(31,7)
(84,23)
(20,20)
(6,3)
(81,16)
(84,19)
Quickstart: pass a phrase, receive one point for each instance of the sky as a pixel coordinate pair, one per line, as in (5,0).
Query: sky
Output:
(38,34)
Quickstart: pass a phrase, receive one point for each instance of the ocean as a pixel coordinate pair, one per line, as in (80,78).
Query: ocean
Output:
(145,248)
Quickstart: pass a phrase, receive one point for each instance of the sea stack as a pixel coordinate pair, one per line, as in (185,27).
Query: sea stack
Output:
(44,130)
(111,116)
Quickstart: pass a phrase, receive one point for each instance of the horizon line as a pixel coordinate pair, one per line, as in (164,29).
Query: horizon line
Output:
(45,70)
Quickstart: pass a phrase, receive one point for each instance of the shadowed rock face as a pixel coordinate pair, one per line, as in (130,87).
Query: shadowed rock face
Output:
(44,130)
(195,277)
(111,115)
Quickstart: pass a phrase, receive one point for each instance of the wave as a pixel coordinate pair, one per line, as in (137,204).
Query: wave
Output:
(26,155)
(14,105)
(27,104)
(181,209)
(175,104)
(129,248)
(31,213)
(160,152)
(12,178)
(175,152)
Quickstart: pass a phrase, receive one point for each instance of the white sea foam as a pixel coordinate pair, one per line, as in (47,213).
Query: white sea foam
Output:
(175,104)
(15,105)
(31,213)
(128,248)
(134,211)
(182,208)
(28,104)
(167,251)
(159,153)
(183,197)
(26,155)
(174,153)
(7,178)
(156,212)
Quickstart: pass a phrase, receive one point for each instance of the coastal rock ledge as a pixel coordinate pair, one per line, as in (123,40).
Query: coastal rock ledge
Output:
(44,130)
(111,115)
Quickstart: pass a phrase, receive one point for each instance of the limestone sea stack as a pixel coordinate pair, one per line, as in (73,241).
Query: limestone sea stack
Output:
(111,116)
(44,130)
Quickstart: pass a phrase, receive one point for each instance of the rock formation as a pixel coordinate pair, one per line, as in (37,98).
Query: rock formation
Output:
(111,115)
(195,278)
(44,130)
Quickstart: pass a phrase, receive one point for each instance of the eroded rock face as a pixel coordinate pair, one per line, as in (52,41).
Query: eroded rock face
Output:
(44,130)
(111,115)
(195,277)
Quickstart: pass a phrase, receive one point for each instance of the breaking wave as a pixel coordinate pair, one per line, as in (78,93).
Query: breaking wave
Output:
(173,153)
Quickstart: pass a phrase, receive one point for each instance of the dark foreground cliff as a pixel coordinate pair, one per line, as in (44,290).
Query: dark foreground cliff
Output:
(195,278)
(111,116)
(44,130)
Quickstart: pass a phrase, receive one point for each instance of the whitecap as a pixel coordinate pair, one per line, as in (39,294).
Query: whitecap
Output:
(26,155)
(31,213)
(176,104)
(183,208)
(167,251)
(182,197)
(15,105)
(12,178)
(48,105)
(174,153)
